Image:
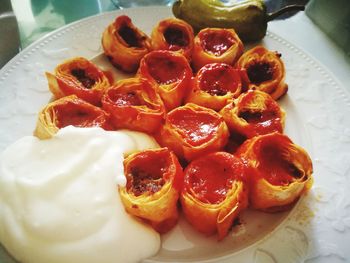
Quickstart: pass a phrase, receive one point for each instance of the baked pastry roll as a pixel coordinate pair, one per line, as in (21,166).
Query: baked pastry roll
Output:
(265,71)
(66,111)
(171,72)
(254,113)
(154,181)
(214,192)
(173,34)
(215,85)
(134,104)
(280,171)
(191,131)
(216,45)
(124,44)
(80,77)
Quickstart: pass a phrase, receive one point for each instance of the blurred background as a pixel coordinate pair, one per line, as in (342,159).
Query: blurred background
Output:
(24,21)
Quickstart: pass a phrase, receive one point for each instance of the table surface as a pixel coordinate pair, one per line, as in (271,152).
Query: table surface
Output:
(38,17)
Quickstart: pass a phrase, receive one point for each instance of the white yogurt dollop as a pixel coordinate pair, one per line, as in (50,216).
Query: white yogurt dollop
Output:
(59,201)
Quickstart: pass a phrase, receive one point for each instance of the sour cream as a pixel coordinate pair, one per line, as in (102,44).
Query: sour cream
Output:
(59,201)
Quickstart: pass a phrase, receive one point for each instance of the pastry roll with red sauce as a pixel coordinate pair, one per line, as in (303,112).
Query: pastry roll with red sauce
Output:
(154,181)
(214,192)
(174,35)
(171,72)
(216,45)
(80,77)
(134,104)
(215,85)
(280,171)
(66,111)
(254,113)
(124,44)
(265,71)
(191,131)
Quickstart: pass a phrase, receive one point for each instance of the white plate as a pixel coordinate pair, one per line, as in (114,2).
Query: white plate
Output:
(318,118)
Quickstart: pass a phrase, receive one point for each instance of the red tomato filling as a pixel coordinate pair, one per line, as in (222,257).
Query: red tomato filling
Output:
(165,70)
(130,36)
(196,127)
(83,78)
(274,166)
(217,43)
(263,121)
(78,115)
(260,72)
(210,178)
(176,38)
(218,79)
(130,98)
(147,172)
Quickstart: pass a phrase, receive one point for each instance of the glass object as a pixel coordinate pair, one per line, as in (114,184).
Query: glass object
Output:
(9,44)
(39,17)
(333,18)
(135,3)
